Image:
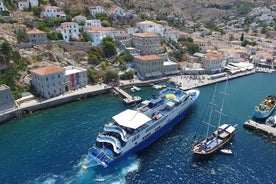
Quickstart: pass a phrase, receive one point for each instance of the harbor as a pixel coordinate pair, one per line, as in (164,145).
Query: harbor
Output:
(262,129)
(184,82)
(68,130)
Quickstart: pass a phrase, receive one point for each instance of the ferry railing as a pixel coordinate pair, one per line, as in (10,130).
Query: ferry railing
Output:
(112,140)
(114,128)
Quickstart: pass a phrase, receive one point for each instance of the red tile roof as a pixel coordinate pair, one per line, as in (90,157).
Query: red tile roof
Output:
(48,70)
(35,31)
(146,35)
(148,57)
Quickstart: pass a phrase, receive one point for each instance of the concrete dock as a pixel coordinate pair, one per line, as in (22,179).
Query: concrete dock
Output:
(261,129)
(127,98)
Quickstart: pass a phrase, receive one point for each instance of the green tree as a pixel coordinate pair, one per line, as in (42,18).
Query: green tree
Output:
(36,11)
(192,48)
(105,23)
(92,75)
(127,75)
(242,37)
(54,36)
(111,75)
(85,37)
(6,50)
(93,59)
(109,49)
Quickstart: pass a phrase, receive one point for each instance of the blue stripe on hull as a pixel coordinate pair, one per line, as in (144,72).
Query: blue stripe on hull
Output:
(262,115)
(152,138)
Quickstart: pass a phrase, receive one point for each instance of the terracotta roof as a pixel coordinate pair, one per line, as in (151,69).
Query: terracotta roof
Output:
(68,23)
(148,57)
(48,70)
(102,29)
(146,22)
(35,31)
(145,35)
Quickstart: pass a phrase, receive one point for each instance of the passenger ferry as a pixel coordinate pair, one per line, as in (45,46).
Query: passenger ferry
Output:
(133,130)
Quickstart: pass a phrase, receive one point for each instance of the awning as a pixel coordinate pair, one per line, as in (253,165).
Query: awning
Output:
(131,119)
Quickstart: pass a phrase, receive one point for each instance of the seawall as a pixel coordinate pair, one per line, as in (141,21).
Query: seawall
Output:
(261,129)
(29,107)
(26,108)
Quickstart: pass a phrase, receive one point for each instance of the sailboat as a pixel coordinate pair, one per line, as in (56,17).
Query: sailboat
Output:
(223,133)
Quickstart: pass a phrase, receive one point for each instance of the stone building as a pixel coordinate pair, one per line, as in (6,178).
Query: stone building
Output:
(53,81)
(6,100)
(37,37)
(146,43)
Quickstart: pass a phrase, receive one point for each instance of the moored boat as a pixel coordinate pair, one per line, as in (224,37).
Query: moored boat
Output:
(271,121)
(158,86)
(266,107)
(227,151)
(218,138)
(132,130)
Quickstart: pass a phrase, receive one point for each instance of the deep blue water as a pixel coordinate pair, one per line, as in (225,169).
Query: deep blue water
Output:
(50,146)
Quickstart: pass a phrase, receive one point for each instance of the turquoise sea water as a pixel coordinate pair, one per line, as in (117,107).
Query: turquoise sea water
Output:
(50,146)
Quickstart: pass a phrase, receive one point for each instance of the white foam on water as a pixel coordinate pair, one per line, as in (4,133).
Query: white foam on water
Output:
(115,174)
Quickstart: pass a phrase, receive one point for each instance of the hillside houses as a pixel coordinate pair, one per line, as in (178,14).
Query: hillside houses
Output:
(96,34)
(69,30)
(26,4)
(52,12)
(94,10)
(149,26)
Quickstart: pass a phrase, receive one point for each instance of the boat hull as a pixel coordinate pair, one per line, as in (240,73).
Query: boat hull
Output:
(260,115)
(215,149)
(151,139)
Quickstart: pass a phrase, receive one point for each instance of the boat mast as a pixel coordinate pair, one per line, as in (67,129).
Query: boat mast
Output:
(212,104)
(222,104)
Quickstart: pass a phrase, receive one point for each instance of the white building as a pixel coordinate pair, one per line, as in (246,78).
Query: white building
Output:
(26,4)
(94,10)
(146,43)
(52,81)
(80,19)
(2,6)
(74,78)
(96,34)
(148,66)
(93,23)
(213,62)
(149,26)
(48,81)
(52,12)
(171,34)
(69,30)
(116,11)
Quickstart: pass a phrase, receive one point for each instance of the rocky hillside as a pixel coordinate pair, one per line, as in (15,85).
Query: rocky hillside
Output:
(196,10)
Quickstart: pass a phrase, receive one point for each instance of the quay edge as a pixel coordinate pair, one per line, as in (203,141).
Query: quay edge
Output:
(261,129)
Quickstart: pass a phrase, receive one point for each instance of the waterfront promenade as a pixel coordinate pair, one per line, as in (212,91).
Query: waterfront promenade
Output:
(185,82)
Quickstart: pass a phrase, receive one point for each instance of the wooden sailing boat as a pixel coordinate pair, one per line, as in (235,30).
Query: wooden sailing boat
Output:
(222,134)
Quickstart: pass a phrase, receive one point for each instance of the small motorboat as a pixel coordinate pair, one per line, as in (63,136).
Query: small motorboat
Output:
(227,151)
(271,121)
